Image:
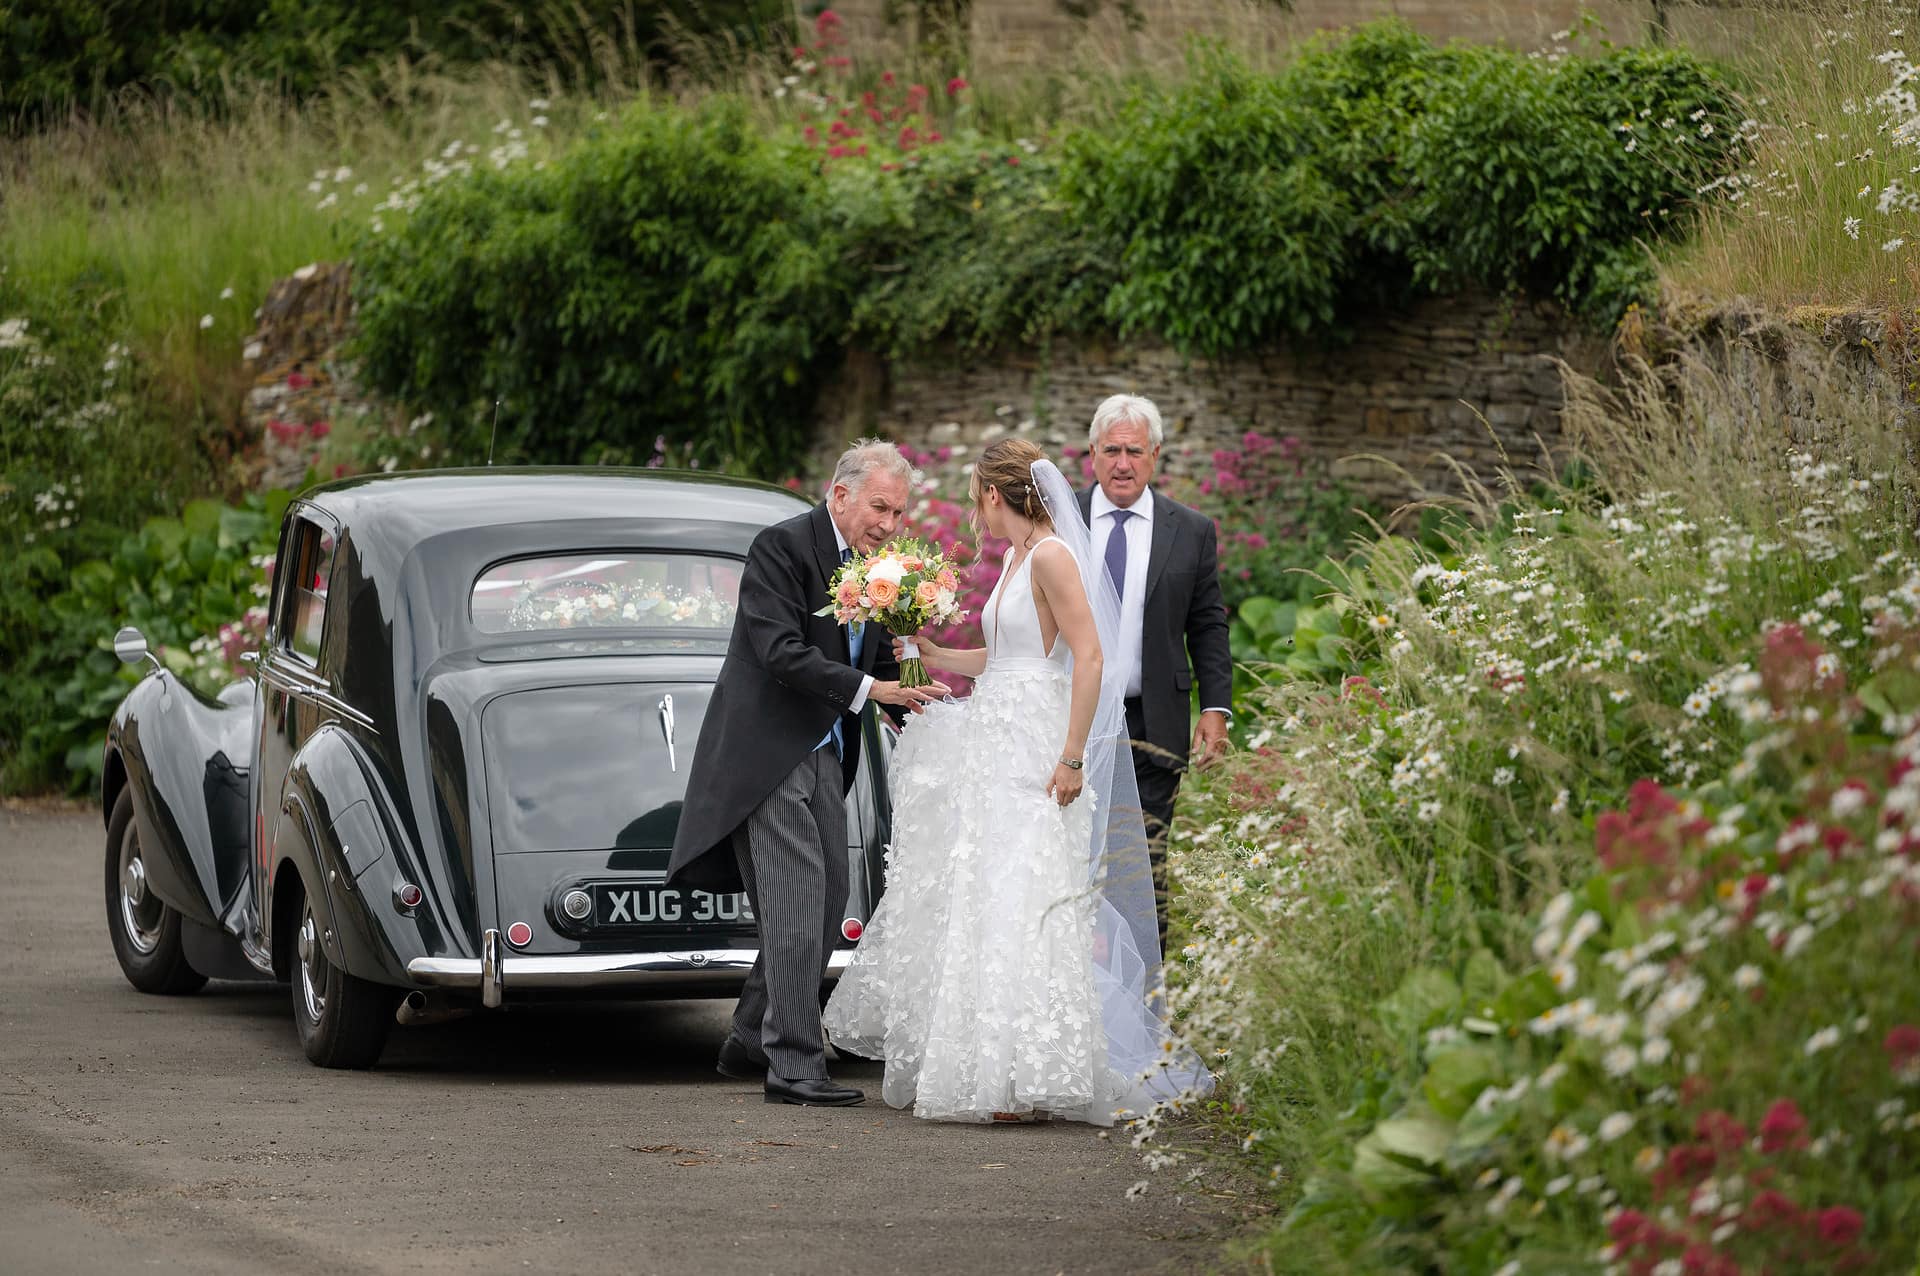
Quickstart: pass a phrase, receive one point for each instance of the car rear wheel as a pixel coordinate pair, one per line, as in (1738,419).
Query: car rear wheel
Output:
(145,932)
(343,1020)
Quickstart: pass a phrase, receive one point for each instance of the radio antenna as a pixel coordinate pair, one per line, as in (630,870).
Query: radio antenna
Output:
(494,432)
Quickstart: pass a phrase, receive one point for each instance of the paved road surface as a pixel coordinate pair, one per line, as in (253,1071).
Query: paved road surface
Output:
(189,1134)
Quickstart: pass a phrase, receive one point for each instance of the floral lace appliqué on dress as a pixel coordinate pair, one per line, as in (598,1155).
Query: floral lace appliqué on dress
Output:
(975,978)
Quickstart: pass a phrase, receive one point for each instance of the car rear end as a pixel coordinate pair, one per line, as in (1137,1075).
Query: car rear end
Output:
(586,734)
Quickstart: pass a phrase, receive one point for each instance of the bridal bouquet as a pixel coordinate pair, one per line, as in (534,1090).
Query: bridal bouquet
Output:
(903,587)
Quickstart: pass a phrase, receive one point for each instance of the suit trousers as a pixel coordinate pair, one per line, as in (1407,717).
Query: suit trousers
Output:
(1159,779)
(792,852)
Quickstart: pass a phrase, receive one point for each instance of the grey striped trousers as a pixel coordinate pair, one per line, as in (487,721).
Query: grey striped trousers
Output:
(792,852)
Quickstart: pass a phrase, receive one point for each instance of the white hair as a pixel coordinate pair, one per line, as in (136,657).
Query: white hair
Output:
(1116,408)
(865,458)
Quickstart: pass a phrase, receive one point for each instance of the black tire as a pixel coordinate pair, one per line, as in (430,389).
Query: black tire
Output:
(343,1020)
(144,930)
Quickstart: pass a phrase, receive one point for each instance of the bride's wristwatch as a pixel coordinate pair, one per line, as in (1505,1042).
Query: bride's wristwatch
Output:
(1075,763)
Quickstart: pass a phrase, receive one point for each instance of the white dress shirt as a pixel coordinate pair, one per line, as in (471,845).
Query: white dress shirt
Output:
(1133,599)
(866,682)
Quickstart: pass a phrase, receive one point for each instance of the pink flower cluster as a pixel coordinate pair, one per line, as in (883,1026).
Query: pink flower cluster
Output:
(1263,494)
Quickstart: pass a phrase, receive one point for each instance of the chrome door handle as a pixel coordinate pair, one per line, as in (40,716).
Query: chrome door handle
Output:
(666,730)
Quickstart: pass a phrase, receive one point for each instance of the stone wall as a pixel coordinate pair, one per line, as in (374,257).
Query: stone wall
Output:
(1471,380)
(1009,39)
(293,359)
(1457,384)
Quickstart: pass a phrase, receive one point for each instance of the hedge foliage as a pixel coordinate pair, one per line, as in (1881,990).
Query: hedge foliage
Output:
(1244,209)
(688,275)
(671,271)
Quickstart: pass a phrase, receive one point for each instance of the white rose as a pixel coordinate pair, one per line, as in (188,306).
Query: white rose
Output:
(885,569)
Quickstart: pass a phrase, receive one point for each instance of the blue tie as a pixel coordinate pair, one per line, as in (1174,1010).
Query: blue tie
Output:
(1117,552)
(855,636)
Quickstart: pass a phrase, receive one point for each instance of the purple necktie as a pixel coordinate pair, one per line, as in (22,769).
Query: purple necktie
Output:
(1117,552)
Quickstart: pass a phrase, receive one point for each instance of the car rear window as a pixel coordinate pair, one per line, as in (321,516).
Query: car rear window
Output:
(621,589)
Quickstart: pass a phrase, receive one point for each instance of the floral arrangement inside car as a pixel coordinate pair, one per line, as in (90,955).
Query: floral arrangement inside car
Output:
(648,590)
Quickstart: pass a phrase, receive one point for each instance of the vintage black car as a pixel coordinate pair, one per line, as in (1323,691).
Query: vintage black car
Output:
(454,778)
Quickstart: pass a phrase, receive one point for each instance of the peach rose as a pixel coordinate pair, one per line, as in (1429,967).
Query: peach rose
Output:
(849,593)
(912,563)
(881,592)
(927,593)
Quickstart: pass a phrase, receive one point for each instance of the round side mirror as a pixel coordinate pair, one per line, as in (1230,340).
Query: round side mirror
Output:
(130,645)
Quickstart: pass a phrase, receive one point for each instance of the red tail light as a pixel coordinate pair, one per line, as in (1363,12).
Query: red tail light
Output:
(519,934)
(852,928)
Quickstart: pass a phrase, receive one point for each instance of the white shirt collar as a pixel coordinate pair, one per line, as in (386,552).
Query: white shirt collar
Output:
(1141,508)
(840,542)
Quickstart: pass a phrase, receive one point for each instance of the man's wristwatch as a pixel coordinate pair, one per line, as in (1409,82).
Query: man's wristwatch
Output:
(1075,763)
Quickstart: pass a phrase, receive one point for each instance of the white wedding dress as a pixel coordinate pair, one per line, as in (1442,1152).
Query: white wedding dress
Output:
(975,980)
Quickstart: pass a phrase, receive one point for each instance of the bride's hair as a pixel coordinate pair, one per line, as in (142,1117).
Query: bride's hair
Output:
(1007,468)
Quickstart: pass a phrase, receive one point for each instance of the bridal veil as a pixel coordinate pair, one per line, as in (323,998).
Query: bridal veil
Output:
(1127,953)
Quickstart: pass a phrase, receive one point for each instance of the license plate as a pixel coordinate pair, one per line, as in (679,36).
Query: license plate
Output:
(645,905)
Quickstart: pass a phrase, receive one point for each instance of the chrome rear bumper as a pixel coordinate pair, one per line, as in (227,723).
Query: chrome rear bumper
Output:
(499,971)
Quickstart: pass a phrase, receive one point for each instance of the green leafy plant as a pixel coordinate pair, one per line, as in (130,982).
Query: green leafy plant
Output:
(1246,208)
(670,277)
(1554,178)
(195,585)
(1302,638)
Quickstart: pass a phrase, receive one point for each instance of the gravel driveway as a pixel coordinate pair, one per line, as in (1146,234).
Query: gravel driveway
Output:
(190,1134)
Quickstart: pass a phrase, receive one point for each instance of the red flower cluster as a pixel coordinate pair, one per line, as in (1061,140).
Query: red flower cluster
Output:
(1653,843)
(1782,1128)
(894,119)
(289,431)
(1771,1222)
(1790,668)
(1355,686)
(1902,1045)
(829,37)
(1644,1244)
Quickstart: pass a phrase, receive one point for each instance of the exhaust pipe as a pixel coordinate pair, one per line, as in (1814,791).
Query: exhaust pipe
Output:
(418,1008)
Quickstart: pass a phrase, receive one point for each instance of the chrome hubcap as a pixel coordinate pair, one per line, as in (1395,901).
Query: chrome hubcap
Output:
(140,909)
(313,967)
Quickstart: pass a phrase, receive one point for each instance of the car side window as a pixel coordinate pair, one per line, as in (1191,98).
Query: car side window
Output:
(309,559)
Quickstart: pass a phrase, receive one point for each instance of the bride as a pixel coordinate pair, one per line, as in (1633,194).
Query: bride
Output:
(1010,972)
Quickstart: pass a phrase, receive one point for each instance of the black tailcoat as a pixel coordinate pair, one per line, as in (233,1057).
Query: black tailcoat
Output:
(785,679)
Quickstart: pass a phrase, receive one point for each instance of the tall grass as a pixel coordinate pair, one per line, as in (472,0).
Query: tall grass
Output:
(1367,876)
(187,209)
(1828,211)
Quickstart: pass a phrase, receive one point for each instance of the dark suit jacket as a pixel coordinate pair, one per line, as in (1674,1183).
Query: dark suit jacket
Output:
(785,678)
(1185,624)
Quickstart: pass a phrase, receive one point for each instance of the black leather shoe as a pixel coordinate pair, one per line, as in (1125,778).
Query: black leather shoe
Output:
(812,1092)
(740,1063)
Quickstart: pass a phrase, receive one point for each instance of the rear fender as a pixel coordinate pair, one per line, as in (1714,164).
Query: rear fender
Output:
(357,854)
(175,750)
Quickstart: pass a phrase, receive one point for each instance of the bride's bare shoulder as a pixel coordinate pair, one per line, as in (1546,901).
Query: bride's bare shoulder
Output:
(1052,553)
(1054,563)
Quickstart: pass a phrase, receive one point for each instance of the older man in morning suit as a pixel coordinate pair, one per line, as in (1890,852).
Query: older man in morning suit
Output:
(1163,560)
(776,756)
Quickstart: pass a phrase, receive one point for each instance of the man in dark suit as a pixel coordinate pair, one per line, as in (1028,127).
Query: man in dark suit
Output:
(777,753)
(1162,558)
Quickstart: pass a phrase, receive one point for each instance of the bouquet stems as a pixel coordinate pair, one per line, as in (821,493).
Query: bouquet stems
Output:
(912,672)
